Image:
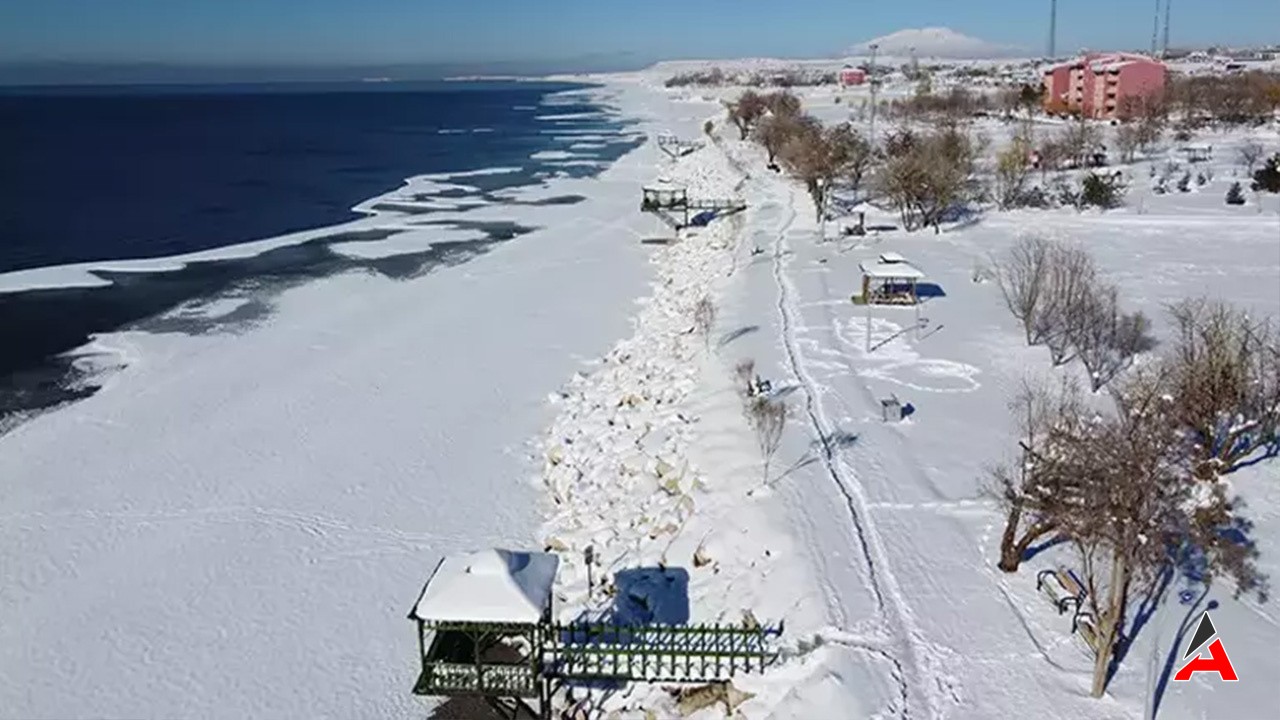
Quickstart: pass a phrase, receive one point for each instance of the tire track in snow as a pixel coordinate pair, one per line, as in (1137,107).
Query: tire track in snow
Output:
(888,597)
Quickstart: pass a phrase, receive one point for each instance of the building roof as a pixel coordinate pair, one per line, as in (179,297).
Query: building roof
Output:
(489,586)
(1114,65)
(1103,62)
(890,271)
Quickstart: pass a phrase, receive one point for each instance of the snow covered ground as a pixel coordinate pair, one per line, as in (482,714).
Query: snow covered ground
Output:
(236,524)
(876,542)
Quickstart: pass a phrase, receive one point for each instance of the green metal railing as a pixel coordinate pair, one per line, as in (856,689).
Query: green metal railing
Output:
(656,653)
(445,678)
(459,660)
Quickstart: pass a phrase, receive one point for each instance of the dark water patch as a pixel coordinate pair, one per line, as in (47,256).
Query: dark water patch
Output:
(542,202)
(451,193)
(40,326)
(406,209)
(496,230)
(557,200)
(358,235)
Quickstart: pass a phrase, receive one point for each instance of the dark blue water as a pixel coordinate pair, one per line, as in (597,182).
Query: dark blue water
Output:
(152,172)
(121,173)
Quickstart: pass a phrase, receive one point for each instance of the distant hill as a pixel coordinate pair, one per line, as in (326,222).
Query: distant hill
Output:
(933,42)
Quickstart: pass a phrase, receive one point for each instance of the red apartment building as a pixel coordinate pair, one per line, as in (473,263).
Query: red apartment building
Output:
(1096,84)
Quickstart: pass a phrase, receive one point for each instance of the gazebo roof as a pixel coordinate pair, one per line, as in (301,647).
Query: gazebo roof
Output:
(891,271)
(504,586)
(663,185)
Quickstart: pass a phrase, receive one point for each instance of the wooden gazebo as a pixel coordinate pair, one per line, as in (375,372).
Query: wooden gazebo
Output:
(664,196)
(890,280)
(486,629)
(482,621)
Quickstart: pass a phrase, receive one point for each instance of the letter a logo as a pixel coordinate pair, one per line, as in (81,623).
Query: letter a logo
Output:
(1217,662)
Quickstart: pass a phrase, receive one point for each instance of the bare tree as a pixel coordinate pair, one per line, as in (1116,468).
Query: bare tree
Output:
(1009,100)
(924,176)
(782,103)
(1011,173)
(1071,281)
(704,319)
(859,154)
(1052,155)
(768,417)
(1250,153)
(1139,509)
(818,156)
(746,374)
(748,109)
(1022,274)
(1225,367)
(774,132)
(1119,487)
(1127,141)
(1079,139)
(1147,114)
(1105,338)
(1037,491)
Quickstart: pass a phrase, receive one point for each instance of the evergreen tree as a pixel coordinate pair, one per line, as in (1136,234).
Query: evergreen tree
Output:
(1235,196)
(1267,179)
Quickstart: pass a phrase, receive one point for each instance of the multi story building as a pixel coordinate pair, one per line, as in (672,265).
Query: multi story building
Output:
(850,75)
(1096,84)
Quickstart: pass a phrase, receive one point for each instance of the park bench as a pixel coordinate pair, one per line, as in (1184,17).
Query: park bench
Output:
(1065,590)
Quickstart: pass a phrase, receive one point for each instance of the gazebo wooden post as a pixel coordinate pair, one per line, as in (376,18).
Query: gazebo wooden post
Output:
(868,306)
(422,643)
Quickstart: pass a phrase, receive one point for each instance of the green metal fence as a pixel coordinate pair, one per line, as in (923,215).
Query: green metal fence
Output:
(656,653)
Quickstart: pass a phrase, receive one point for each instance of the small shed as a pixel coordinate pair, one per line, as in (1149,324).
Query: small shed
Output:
(482,617)
(890,281)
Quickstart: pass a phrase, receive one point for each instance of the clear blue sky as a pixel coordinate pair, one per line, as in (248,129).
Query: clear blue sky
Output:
(342,32)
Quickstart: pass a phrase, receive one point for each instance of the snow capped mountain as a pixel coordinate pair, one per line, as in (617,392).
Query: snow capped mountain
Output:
(932,42)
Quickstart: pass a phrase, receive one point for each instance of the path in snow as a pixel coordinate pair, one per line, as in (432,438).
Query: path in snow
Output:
(906,654)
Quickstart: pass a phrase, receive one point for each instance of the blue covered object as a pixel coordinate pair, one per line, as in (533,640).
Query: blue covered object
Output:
(702,218)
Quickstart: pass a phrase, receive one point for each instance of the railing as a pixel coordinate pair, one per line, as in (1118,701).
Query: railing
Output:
(657,653)
(442,678)
(716,204)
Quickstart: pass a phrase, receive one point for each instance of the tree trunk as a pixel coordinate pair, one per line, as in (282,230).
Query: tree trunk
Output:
(1012,548)
(1010,557)
(1109,623)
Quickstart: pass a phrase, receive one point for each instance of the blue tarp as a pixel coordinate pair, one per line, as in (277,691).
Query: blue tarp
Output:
(702,218)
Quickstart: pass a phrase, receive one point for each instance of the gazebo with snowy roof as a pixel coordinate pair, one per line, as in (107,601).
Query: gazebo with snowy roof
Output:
(891,280)
(482,621)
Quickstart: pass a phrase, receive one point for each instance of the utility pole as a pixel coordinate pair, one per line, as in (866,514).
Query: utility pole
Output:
(1053,29)
(1155,30)
(871,77)
(1168,5)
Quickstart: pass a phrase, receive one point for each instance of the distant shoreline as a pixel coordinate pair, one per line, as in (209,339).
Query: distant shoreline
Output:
(491,78)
